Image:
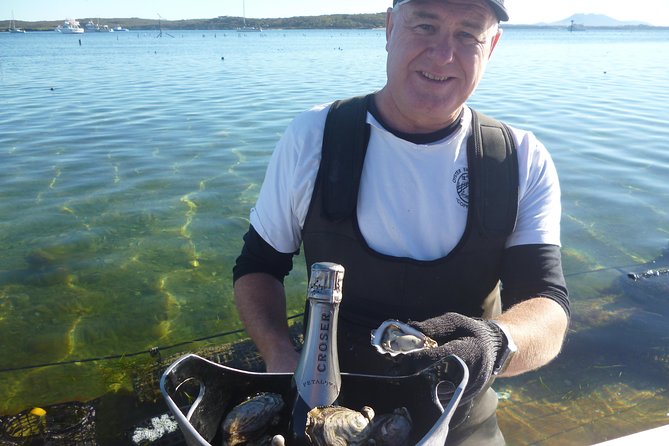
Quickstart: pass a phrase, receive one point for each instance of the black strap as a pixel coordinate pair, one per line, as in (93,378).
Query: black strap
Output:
(345,142)
(492,158)
(493,175)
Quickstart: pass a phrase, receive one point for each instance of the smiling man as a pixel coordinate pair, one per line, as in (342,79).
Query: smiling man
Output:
(437,53)
(441,217)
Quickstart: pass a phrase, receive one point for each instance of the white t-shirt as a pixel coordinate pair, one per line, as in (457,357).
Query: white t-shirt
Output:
(413,197)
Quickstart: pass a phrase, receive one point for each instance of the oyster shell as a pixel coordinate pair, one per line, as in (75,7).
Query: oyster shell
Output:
(391,429)
(278,440)
(338,426)
(397,338)
(250,419)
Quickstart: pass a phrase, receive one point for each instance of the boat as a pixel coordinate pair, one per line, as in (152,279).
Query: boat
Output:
(13,28)
(647,437)
(249,29)
(245,28)
(119,29)
(91,27)
(576,27)
(70,26)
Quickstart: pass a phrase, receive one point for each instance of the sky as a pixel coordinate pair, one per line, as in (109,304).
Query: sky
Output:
(654,12)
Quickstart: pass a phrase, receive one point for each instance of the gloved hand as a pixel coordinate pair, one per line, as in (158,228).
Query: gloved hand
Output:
(477,342)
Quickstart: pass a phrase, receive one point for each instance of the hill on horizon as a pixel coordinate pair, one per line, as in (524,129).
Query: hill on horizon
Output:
(334,21)
(595,20)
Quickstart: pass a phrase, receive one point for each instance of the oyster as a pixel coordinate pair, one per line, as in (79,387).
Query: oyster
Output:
(396,338)
(391,429)
(278,440)
(251,419)
(338,426)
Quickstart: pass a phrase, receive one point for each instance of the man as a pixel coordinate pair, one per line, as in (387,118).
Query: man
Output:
(415,247)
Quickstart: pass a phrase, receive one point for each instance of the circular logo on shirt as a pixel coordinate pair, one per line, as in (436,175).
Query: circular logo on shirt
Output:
(461,181)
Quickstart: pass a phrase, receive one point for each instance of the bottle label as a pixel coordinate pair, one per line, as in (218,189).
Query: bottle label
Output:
(323,347)
(321,386)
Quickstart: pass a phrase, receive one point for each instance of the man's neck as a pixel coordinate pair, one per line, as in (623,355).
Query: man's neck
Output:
(416,137)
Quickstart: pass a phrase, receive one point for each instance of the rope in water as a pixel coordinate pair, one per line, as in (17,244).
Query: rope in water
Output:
(155,351)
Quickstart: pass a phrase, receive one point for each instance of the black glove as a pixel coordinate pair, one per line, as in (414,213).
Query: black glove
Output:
(477,342)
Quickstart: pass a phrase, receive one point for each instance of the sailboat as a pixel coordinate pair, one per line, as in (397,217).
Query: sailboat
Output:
(14,29)
(247,29)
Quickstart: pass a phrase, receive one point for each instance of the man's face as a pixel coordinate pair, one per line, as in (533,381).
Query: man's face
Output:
(437,53)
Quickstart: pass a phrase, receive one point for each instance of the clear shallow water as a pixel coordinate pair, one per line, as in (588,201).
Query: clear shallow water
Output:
(130,162)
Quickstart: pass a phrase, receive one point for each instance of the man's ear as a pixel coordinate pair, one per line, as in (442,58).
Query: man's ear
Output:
(495,39)
(389,25)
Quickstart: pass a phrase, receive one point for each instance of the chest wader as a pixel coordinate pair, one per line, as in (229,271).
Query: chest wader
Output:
(380,287)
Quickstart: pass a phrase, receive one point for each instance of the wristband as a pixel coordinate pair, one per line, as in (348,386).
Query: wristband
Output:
(506,352)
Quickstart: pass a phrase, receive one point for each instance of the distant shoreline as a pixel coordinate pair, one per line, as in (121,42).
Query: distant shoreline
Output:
(226,23)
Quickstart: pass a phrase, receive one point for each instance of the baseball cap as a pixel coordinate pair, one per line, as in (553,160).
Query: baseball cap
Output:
(497,6)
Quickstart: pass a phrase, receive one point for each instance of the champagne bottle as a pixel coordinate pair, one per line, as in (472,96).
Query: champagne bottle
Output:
(317,380)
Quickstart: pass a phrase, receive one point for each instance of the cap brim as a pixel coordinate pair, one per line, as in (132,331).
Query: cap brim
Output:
(500,11)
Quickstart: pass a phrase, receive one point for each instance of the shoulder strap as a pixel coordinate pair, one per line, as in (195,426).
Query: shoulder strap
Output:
(345,141)
(492,158)
(493,171)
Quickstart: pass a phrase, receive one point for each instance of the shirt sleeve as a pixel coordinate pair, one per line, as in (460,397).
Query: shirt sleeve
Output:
(258,256)
(533,271)
(539,207)
(285,195)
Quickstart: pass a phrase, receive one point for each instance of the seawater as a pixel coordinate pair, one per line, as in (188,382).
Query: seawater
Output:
(130,162)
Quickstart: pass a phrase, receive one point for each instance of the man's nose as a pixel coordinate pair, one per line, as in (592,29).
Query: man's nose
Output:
(442,50)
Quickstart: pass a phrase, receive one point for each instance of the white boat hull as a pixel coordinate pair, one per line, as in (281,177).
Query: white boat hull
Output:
(652,437)
(70,27)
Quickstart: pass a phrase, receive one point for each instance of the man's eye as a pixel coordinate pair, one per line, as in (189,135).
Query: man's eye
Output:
(468,37)
(425,27)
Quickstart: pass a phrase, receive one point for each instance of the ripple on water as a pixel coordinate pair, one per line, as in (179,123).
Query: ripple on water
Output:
(148,156)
